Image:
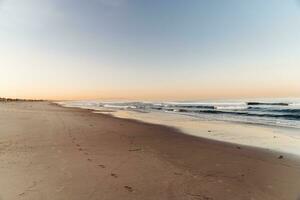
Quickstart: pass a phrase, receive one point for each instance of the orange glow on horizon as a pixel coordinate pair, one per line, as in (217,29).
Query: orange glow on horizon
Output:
(167,94)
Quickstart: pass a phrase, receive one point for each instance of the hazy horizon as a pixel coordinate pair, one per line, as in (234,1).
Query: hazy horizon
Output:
(150,50)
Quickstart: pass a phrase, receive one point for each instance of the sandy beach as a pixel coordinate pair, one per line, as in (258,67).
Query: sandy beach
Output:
(48,152)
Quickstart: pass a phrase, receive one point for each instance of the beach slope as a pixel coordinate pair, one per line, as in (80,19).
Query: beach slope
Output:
(51,152)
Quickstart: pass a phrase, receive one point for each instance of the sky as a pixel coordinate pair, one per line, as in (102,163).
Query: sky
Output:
(141,49)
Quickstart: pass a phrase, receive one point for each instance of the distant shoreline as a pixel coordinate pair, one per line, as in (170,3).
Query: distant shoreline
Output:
(2,99)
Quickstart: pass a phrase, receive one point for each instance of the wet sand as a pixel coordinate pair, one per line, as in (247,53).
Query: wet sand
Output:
(51,152)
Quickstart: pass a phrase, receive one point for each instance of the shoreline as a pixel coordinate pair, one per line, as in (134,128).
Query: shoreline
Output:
(242,125)
(251,150)
(73,153)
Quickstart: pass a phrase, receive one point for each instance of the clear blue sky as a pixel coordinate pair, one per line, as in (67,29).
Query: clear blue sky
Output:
(158,49)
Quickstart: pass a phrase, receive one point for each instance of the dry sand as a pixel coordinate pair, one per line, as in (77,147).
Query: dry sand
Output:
(50,152)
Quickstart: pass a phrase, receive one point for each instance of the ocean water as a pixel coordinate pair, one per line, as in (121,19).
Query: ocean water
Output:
(276,112)
(266,123)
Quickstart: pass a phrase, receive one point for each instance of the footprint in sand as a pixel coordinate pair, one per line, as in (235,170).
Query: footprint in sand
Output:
(177,174)
(90,160)
(102,166)
(114,175)
(136,149)
(128,188)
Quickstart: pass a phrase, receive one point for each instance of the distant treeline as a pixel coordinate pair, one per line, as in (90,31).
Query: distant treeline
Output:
(14,100)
